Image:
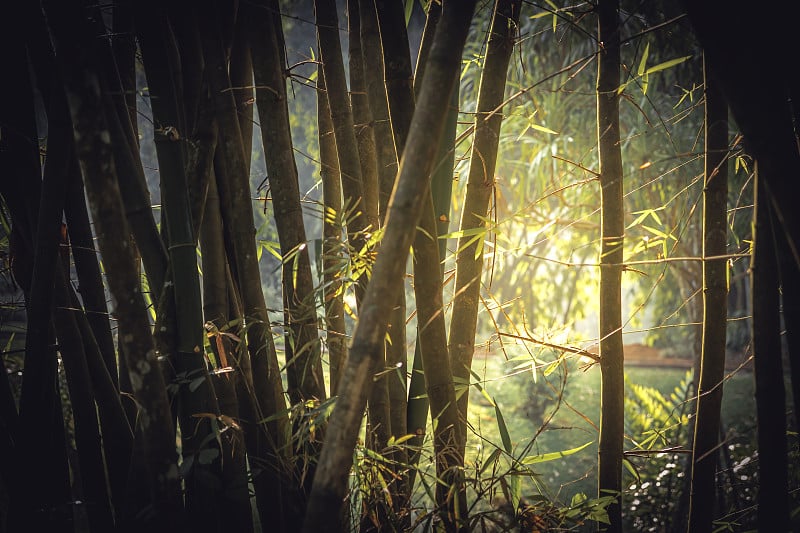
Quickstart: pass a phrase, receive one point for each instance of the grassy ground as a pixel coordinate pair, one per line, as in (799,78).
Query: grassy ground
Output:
(526,404)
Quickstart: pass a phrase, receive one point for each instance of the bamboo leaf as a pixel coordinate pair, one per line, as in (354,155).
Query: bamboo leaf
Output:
(543,129)
(630,467)
(551,367)
(463,233)
(196,382)
(666,64)
(543,458)
(659,233)
(515,490)
(643,61)
(491,460)
(501,425)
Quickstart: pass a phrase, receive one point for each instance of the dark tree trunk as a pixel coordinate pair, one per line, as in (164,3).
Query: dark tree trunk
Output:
(330,484)
(330,51)
(334,264)
(715,297)
(123,45)
(773,504)
(612,413)
(197,399)
(480,185)
(395,356)
(95,154)
(379,427)
(113,417)
(398,72)
(43,478)
(87,432)
(304,367)
(276,496)
(770,137)
(90,282)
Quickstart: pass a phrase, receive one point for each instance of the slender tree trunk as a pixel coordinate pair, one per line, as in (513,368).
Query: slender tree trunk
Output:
(611,257)
(395,347)
(90,283)
(418,404)
(241,68)
(330,484)
(304,366)
(70,344)
(123,45)
(97,163)
(398,73)
(379,428)
(87,432)
(277,498)
(334,265)
(362,117)
(372,52)
(431,21)
(330,51)
(773,505)
(715,297)
(43,478)
(131,179)
(112,414)
(198,402)
(449,431)
(480,185)
(399,82)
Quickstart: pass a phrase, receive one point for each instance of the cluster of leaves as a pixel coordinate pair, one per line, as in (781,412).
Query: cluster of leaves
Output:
(655,422)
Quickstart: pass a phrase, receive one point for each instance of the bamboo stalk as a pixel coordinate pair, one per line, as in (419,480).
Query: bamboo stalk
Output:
(330,484)
(304,366)
(97,163)
(612,227)
(715,294)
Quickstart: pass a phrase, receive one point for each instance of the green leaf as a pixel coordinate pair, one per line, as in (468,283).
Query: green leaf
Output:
(578,499)
(630,467)
(196,382)
(659,233)
(408,8)
(666,64)
(551,367)
(478,249)
(464,233)
(643,62)
(643,214)
(542,458)
(515,491)
(501,425)
(543,129)
(491,460)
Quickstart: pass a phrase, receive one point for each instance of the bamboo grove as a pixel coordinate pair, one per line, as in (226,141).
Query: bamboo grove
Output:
(159,392)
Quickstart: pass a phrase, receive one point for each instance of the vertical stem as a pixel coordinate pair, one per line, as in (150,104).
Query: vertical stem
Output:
(773,505)
(715,293)
(304,368)
(333,262)
(611,256)
(330,484)
(480,185)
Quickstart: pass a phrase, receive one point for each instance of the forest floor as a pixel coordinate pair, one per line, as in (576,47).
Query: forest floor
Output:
(642,355)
